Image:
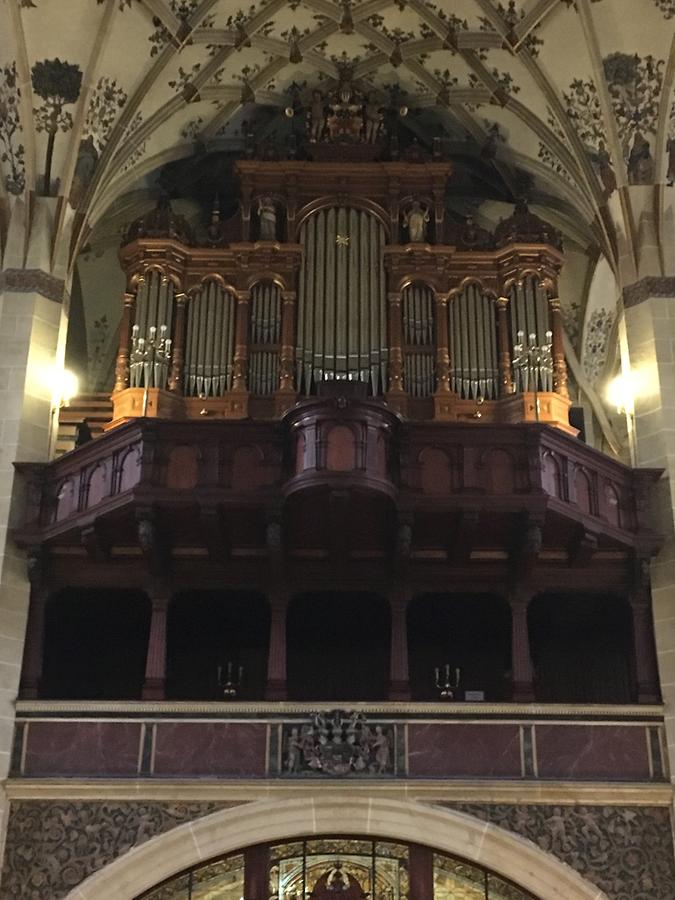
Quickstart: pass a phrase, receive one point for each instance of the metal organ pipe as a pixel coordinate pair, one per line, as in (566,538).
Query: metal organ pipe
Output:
(264,338)
(418,338)
(209,344)
(474,360)
(529,314)
(154,307)
(342,313)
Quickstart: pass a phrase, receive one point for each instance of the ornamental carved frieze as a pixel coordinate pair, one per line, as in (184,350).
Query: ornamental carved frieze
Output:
(627,851)
(53,846)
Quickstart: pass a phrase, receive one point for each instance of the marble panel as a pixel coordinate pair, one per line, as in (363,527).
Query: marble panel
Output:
(233,749)
(82,748)
(579,752)
(460,750)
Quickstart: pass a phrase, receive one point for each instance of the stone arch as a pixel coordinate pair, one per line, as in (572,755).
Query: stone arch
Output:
(334,813)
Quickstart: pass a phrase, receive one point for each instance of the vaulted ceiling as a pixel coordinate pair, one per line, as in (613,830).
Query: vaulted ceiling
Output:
(576,94)
(111,89)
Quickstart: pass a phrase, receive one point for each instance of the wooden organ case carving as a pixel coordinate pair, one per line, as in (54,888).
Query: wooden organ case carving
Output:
(341,271)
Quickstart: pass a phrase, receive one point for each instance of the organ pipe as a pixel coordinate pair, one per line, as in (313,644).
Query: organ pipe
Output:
(209,342)
(264,338)
(474,357)
(418,338)
(530,314)
(342,312)
(154,308)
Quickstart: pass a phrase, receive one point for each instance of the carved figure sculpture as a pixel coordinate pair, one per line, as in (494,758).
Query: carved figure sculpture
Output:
(267,213)
(380,747)
(317,117)
(374,118)
(415,220)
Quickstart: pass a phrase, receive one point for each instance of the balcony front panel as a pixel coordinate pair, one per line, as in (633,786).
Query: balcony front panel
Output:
(321,742)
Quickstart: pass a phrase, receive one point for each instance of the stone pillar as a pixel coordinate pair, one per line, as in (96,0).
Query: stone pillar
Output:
(178,346)
(522,673)
(399,678)
(648,349)
(558,349)
(241,342)
(33,288)
(154,686)
(33,651)
(124,349)
(505,374)
(276,660)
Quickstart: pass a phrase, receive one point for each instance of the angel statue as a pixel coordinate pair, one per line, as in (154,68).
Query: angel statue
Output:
(416,220)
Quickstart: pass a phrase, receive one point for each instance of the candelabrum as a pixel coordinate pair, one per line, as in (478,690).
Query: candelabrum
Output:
(231,684)
(149,360)
(447,681)
(534,362)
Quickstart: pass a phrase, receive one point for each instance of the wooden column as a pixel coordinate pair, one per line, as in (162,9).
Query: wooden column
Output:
(33,651)
(399,678)
(558,351)
(646,670)
(276,659)
(256,872)
(505,376)
(178,346)
(155,666)
(241,341)
(522,673)
(287,353)
(421,872)
(124,347)
(442,344)
(395,345)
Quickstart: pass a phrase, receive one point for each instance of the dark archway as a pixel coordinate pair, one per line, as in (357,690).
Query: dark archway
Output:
(206,631)
(338,646)
(581,647)
(95,644)
(471,632)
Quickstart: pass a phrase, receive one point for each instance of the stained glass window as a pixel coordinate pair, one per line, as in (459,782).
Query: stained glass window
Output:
(344,868)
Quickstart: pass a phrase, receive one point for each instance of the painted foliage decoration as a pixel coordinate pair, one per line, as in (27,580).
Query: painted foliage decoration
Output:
(596,343)
(107,99)
(12,150)
(137,150)
(184,10)
(667,7)
(511,16)
(58,85)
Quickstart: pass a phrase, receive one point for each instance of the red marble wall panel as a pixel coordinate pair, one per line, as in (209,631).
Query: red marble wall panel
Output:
(82,748)
(236,749)
(611,752)
(461,750)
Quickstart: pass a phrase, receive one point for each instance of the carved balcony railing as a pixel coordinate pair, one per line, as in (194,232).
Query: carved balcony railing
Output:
(487,492)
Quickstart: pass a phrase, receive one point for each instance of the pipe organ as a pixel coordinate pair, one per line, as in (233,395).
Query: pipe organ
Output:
(371,284)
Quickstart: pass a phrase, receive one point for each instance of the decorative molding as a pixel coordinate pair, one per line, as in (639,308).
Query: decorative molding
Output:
(133,709)
(650,286)
(430,791)
(34,281)
(83,837)
(626,851)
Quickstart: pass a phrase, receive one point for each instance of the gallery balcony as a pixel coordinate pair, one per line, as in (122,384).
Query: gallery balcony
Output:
(339,483)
